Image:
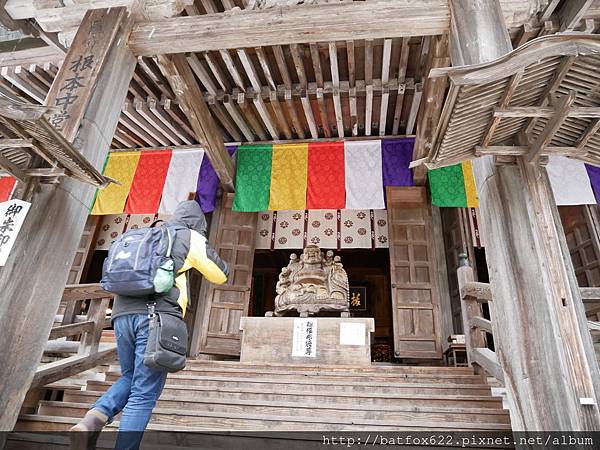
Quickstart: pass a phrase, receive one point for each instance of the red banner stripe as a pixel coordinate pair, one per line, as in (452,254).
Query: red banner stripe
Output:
(7,184)
(326,176)
(148,182)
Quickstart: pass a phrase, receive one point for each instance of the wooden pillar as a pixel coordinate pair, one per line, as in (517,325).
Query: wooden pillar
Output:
(34,277)
(541,335)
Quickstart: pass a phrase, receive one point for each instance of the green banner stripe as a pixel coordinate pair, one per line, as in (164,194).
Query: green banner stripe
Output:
(253,178)
(447,186)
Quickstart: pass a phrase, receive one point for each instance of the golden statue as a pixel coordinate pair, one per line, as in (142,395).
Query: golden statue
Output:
(312,283)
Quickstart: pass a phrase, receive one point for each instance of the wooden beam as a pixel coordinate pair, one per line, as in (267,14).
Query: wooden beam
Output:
(402,65)
(433,90)
(280,26)
(520,150)
(506,97)
(488,360)
(571,12)
(369,86)
(13,169)
(580,112)
(481,324)
(590,131)
(563,105)
(66,367)
(335,77)
(385,76)
(189,96)
(51,233)
(79,73)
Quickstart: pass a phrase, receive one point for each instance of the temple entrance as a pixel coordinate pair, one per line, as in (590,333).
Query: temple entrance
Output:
(369,277)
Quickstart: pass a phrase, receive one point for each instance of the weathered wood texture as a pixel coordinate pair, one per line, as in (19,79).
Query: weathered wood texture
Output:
(502,105)
(540,343)
(413,269)
(183,83)
(307,23)
(36,272)
(226,304)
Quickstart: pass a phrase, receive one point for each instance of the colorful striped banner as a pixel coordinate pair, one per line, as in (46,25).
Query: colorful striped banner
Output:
(121,167)
(326,185)
(182,178)
(453,186)
(7,186)
(288,177)
(327,175)
(253,178)
(148,182)
(208,184)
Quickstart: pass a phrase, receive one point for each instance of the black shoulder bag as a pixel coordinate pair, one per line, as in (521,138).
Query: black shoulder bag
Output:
(167,342)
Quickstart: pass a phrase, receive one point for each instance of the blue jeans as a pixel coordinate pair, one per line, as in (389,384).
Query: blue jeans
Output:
(139,387)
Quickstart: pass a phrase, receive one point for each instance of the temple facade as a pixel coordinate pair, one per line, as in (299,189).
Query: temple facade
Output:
(406,194)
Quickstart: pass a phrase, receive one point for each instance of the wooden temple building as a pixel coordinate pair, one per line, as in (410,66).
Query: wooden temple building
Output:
(445,151)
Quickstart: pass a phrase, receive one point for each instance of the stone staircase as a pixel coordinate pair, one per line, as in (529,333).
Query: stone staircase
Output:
(231,396)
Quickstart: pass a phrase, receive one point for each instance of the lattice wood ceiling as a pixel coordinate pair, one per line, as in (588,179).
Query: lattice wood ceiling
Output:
(546,95)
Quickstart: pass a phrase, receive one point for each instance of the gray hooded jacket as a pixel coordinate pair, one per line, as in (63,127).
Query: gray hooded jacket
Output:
(190,251)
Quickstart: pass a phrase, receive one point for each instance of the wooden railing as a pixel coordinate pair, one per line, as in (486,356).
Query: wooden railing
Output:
(82,322)
(473,294)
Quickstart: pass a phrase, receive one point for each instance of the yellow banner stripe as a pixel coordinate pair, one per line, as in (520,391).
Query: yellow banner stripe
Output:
(470,186)
(288,177)
(121,167)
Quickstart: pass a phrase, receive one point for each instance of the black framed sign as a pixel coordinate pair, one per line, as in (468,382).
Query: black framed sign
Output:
(358,298)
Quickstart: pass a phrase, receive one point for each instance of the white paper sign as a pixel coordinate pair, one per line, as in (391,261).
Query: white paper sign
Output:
(305,338)
(352,333)
(12,216)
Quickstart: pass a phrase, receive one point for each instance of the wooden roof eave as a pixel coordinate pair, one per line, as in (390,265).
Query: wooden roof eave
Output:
(496,71)
(572,44)
(28,121)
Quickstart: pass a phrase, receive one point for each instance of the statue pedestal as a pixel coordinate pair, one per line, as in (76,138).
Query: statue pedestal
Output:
(312,341)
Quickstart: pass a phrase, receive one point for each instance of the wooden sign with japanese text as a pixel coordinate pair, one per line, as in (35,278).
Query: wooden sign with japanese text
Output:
(12,216)
(80,70)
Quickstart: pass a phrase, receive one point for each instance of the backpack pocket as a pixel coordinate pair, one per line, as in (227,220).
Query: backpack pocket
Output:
(164,279)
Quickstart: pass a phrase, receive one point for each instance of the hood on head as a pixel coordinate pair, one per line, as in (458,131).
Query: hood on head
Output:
(190,214)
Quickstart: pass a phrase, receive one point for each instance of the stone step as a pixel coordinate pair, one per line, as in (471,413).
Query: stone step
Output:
(194,393)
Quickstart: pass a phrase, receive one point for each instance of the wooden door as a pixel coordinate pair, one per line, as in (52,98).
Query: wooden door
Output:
(226,304)
(413,266)
(457,240)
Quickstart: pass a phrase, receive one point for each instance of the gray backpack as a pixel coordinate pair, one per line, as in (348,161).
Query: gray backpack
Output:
(139,263)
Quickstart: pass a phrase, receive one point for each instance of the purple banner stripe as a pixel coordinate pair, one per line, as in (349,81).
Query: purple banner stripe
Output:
(396,156)
(208,184)
(594,174)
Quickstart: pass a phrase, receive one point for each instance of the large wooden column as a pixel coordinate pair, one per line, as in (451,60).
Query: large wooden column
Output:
(32,282)
(539,323)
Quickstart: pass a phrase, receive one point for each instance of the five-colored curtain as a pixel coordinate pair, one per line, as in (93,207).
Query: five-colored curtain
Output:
(155,181)
(326,175)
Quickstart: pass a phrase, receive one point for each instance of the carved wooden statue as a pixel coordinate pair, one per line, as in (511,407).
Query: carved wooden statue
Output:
(312,283)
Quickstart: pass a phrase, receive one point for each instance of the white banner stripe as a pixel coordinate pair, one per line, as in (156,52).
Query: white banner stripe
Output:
(182,178)
(364,179)
(570,182)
